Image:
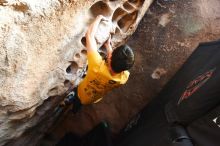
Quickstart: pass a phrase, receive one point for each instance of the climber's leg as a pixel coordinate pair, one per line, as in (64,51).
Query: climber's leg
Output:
(72,98)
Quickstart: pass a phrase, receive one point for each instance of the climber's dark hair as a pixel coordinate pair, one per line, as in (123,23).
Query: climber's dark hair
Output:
(122,59)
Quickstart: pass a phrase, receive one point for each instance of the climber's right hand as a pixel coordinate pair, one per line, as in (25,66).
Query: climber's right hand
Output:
(102,18)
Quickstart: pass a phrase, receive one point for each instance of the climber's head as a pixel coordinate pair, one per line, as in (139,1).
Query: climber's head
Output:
(122,59)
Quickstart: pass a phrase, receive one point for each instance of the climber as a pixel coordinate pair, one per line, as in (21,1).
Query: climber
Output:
(102,75)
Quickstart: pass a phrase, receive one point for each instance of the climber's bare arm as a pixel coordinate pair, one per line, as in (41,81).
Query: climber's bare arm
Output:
(109,47)
(91,44)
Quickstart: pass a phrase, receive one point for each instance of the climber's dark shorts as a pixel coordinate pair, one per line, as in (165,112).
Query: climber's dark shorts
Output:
(73,99)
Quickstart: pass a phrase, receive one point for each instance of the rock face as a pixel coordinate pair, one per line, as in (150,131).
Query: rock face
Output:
(42,54)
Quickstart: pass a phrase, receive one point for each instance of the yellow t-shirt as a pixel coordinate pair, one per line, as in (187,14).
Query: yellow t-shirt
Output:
(98,80)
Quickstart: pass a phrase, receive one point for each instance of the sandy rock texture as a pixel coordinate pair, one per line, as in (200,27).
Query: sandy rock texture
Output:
(42,54)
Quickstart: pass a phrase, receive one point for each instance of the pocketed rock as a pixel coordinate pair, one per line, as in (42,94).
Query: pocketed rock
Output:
(43,53)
